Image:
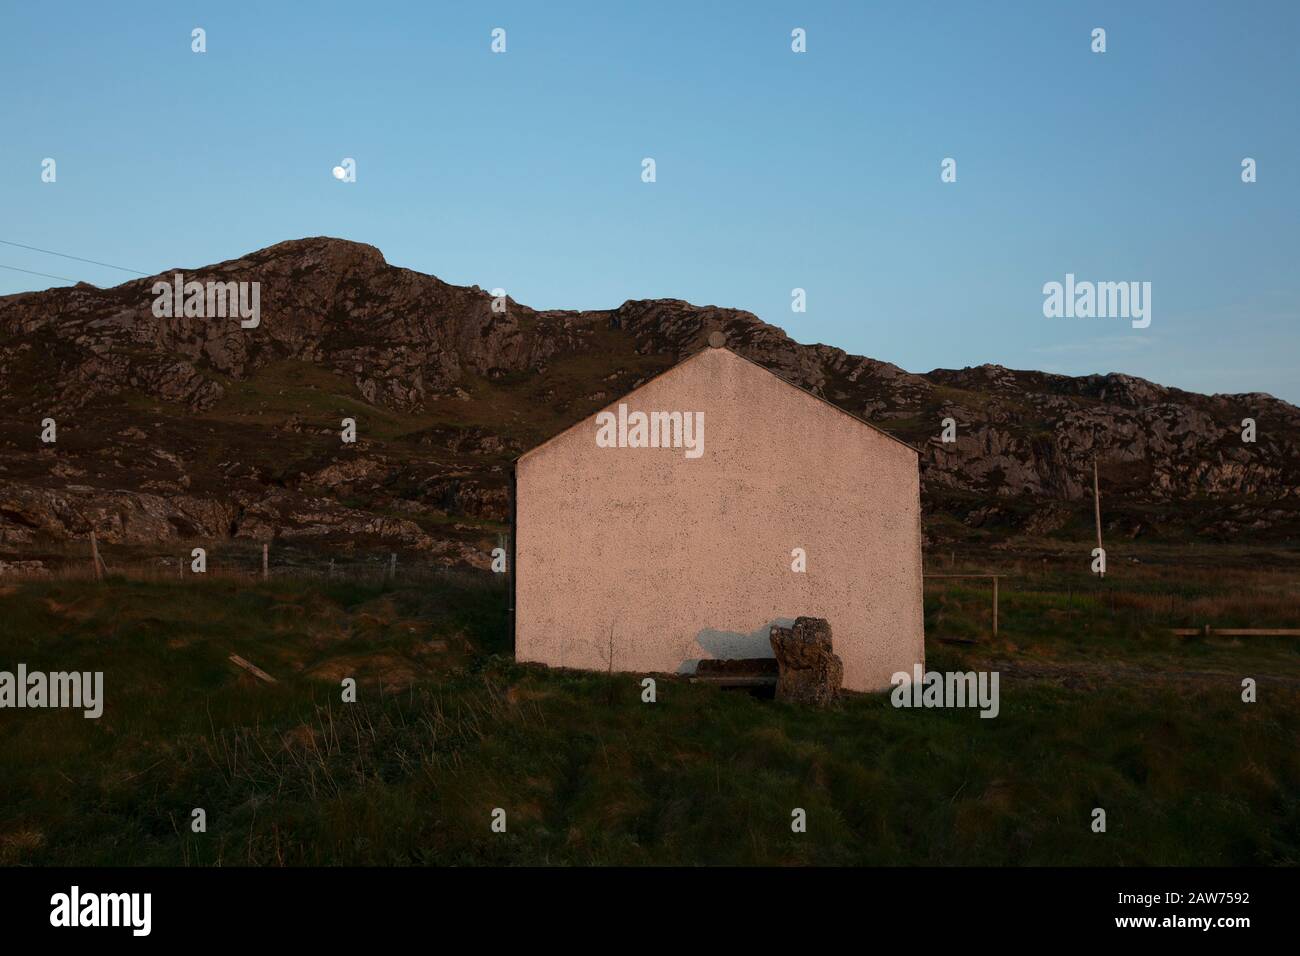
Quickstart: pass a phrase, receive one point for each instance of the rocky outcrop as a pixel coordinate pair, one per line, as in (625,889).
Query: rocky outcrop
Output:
(116,516)
(23,569)
(808,669)
(175,427)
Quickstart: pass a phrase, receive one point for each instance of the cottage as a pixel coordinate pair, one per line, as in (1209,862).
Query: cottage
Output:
(632,555)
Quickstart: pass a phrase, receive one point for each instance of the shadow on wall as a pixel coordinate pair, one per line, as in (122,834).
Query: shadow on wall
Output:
(733,645)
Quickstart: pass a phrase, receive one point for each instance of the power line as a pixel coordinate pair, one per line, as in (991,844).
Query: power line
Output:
(51,252)
(45,274)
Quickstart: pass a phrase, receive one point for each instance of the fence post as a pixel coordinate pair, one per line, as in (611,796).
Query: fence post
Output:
(94,557)
(392,566)
(265,563)
(995,605)
(1096,503)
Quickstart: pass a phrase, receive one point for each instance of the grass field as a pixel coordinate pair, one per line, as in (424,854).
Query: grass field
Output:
(1100,707)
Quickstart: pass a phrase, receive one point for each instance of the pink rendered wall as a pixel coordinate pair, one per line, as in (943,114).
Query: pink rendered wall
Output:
(685,559)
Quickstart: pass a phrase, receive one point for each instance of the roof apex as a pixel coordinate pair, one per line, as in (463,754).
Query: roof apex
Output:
(714,349)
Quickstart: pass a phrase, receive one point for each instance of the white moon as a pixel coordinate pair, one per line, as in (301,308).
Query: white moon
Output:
(339,172)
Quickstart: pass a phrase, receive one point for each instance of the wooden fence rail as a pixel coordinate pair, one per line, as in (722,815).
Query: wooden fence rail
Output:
(1208,631)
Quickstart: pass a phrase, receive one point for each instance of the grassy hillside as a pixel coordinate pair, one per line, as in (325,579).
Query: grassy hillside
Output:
(1099,708)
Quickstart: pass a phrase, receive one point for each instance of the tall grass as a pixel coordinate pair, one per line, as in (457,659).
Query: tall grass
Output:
(447,728)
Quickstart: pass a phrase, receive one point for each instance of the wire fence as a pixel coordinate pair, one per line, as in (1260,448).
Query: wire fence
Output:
(89,560)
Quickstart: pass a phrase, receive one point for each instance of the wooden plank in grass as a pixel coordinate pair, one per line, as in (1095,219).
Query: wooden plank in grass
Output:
(252,669)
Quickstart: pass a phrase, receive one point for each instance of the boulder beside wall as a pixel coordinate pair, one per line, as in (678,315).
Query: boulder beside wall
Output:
(808,671)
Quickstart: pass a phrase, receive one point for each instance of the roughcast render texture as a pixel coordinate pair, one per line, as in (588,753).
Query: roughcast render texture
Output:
(647,560)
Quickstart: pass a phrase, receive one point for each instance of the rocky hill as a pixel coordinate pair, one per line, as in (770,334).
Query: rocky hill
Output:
(173,429)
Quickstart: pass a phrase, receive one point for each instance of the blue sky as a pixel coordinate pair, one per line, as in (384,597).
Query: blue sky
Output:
(775,170)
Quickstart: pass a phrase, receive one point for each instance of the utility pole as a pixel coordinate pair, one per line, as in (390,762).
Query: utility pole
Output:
(1096,504)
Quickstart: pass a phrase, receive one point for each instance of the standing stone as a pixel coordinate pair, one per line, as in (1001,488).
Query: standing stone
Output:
(808,670)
